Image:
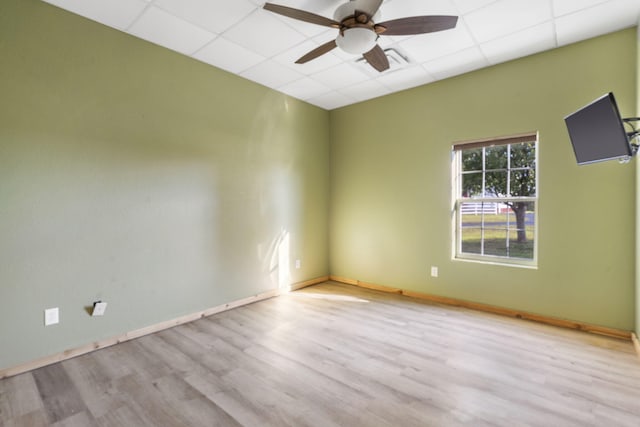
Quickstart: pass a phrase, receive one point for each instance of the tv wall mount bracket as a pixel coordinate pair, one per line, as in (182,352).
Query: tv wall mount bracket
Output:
(635,133)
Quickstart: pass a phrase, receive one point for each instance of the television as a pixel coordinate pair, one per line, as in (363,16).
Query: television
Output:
(597,132)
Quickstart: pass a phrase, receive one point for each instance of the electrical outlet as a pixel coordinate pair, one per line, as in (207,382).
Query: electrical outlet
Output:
(297,263)
(434,271)
(51,316)
(99,308)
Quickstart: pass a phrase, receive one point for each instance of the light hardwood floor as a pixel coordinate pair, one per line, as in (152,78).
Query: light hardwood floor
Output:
(337,355)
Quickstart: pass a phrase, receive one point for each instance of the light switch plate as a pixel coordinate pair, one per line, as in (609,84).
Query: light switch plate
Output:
(99,308)
(51,316)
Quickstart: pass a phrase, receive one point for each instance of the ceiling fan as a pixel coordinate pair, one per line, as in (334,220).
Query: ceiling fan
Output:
(358,31)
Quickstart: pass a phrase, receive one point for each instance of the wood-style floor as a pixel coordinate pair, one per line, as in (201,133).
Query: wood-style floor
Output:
(337,355)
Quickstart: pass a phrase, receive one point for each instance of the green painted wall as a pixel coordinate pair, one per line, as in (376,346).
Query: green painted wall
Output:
(135,175)
(391,185)
(637,324)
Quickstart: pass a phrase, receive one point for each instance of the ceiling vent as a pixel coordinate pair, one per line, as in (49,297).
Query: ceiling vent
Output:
(397,60)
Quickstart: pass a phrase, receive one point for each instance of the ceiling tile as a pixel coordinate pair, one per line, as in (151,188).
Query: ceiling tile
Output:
(164,29)
(331,100)
(308,30)
(319,7)
(115,13)
(458,63)
(212,15)
(404,8)
(527,42)
(505,17)
(264,34)
(431,46)
(406,78)
(227,55)
(466,6)
(305,88)
(604,18)
(340,76)
(271,74)
(365,90)
(563,7)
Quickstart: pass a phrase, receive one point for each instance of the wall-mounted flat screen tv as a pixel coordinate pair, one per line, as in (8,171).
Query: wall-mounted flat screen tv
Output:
(597,132)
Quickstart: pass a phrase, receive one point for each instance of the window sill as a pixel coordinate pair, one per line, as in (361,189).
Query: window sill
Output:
(529,265)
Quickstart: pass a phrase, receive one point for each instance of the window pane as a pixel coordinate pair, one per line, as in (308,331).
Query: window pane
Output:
(471,239)
(496,157)
(523,183)
(496,184)
(472,211)
(523,155)
(472,184)
(495,240)
(472,159)
(472,215)
(521,230)
(522,250)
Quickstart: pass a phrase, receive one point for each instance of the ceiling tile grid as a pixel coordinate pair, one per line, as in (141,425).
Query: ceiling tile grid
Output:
(240,37)
(165,29)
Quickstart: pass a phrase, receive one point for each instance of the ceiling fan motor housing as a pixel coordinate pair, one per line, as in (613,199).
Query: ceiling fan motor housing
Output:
(355,37)
(349,9)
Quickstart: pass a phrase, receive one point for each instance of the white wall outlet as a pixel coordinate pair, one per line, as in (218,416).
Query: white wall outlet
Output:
(298,263)
(434,271)
(99,308)
(51,316)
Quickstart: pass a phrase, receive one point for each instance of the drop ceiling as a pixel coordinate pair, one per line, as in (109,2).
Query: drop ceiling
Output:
(240,37)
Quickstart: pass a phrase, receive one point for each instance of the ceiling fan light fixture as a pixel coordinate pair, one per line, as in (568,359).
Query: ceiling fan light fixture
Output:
(357,40)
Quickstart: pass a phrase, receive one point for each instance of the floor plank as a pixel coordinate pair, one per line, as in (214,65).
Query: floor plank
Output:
(19,396)
(337,355)
(61,399)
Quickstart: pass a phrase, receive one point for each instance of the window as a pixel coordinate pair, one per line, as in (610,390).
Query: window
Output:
(496,198)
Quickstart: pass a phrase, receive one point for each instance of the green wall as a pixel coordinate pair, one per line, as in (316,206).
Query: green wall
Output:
(391,186)
(135,175)
(637,324)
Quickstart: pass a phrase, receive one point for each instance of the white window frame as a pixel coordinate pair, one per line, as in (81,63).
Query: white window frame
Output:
(458,200)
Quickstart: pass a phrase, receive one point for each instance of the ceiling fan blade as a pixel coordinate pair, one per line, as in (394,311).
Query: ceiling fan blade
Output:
(320,50)
(377,58)
(370,7)
(416,25)
(301,15)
